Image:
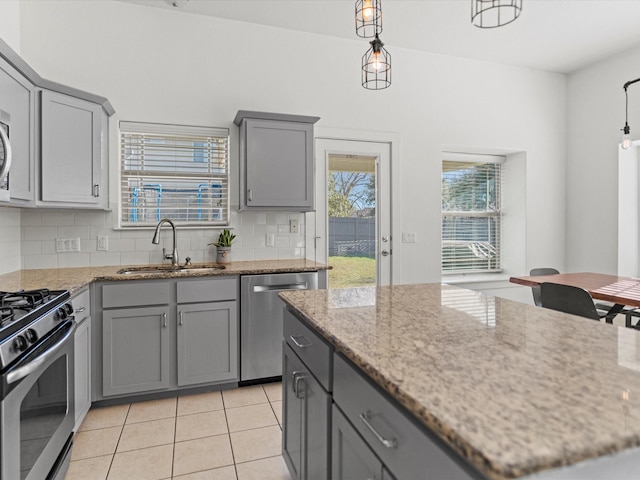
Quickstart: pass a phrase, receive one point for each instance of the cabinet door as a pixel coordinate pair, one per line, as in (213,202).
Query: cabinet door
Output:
(351,456)
(292,412)
(135,350)
(306,408)
(71,136)
(207,343)
(17,99)
(279,165)
(82,366)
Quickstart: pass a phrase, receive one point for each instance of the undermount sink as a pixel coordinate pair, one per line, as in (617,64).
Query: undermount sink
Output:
(170,269)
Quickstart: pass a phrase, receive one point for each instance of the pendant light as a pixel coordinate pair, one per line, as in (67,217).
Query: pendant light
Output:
(376,66)
(626,131)
(368,18)
(494,13)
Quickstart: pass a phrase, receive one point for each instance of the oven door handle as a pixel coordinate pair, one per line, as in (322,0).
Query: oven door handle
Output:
(20,373)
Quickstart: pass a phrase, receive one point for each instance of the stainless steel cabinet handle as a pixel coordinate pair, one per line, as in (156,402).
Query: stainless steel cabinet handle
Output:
(296,339)
(366,419)
(296,377)
(80,309)
(164,320)
(96,190)
(181,319)
(250,194)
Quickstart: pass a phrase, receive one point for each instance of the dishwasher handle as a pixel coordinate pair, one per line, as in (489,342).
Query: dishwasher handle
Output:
(272,288)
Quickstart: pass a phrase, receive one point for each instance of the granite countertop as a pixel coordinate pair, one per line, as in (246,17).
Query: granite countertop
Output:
(74,279)
(513,388)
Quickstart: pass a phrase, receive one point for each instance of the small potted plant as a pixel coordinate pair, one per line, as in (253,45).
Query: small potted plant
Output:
(223,245)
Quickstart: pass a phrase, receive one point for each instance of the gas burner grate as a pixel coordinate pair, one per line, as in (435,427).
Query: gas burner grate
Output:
(26,299)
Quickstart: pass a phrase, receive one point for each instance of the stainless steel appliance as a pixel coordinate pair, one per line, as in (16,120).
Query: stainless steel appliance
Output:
(5,156)
(261,321)
(36,366)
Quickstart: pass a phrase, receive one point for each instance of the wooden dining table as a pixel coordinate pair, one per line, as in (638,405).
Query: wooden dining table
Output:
(620,291)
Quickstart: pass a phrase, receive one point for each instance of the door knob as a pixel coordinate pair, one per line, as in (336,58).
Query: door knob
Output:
(384,253)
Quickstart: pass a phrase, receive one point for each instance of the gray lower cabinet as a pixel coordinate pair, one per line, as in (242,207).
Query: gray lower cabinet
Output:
(158,335)
(135,349)
(351,456)
(73,140)
(306,409)
(207,343)
(82,351)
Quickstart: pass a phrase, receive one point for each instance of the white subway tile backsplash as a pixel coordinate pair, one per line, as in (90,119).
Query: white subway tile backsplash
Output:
(69,260)
(36,230)
(57,219)
(40,261)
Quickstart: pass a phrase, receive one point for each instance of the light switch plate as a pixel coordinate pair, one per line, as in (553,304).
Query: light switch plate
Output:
(294,227)
(409,237)
(270,239)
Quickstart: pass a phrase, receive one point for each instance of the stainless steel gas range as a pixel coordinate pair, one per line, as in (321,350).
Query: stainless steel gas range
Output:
(36,366)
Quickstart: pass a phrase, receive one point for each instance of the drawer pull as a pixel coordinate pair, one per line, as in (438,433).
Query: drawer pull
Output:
(80,309)
(164,320)
(366,419)
(295,385)
(296,339)
(181,319)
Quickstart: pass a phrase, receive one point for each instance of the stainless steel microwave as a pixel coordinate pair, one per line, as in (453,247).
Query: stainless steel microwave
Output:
(5,156)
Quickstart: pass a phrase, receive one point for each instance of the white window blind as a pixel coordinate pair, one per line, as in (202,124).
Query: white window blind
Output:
(173,171)
(471,213)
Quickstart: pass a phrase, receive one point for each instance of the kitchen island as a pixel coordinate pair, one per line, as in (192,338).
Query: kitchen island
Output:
(505,389)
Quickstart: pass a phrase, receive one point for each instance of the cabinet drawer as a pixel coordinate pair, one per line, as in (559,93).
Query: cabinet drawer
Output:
(81,305)
(406,449)
(134,294)
(311,349)
(208,290)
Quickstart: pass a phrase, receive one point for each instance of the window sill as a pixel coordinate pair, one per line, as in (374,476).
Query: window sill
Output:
(475,278)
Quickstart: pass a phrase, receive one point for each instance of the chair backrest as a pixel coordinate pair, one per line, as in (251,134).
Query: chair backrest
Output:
(568,299)
(535,272)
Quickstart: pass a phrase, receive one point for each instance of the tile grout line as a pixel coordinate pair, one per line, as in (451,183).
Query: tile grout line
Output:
(226,420)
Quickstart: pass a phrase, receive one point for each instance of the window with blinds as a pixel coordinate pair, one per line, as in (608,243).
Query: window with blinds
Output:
(173,171)
(471,213)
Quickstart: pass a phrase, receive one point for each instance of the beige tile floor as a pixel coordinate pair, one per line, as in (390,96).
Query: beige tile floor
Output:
(230,435)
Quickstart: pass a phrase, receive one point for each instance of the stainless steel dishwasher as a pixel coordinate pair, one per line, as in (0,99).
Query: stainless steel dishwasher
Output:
(261,321)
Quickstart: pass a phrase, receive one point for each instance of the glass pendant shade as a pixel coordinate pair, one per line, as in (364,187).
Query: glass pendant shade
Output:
(368,18)
(376,66)
(494,13)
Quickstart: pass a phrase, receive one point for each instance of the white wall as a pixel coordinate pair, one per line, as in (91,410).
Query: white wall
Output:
(595,116)
(10,23)
(165,66)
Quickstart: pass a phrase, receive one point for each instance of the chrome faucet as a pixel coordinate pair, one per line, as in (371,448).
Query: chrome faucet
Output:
(173,256)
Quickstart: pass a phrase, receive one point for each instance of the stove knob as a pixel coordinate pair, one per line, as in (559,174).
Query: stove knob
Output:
(62,313)
(20,343)
(31,335)
(68,308)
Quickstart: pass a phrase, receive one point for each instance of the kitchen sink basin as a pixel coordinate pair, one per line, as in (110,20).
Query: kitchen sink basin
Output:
(170,269)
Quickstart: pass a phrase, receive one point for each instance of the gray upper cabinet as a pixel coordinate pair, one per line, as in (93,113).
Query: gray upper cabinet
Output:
(17,109)
(72,133)
(276,161)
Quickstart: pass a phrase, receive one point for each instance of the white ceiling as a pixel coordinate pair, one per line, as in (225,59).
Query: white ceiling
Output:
(554,35)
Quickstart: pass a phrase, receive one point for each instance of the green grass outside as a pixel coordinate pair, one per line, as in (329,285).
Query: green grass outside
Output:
(352,272)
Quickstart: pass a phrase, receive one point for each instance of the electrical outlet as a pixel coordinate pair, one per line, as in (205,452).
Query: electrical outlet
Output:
(103,243)
(294,227)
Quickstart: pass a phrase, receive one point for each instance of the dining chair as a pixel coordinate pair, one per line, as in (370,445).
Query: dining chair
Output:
(568,299)
(535,272)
